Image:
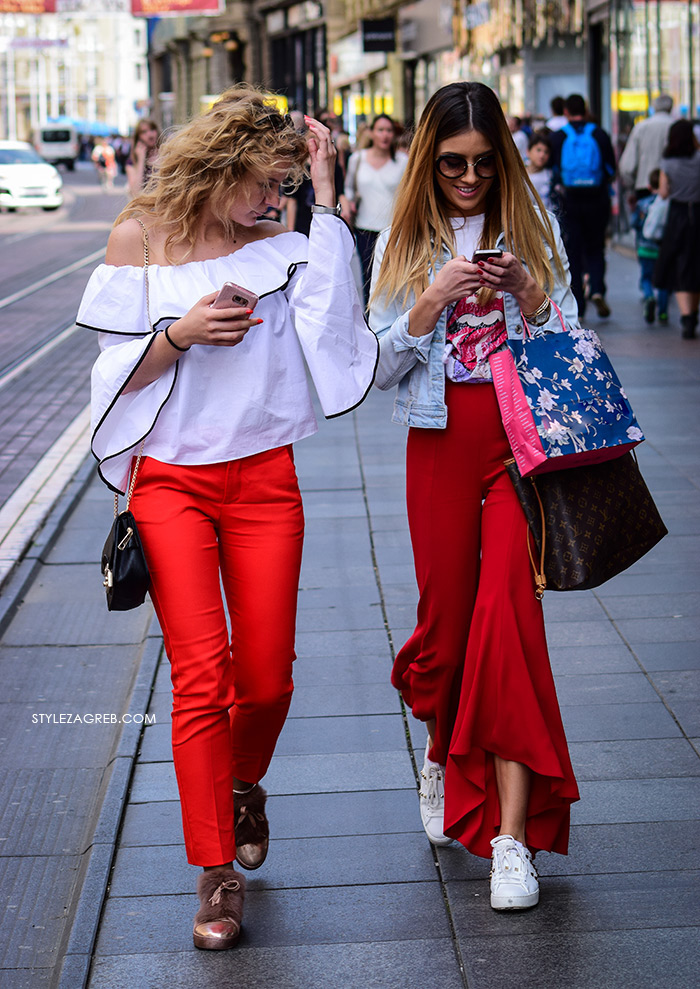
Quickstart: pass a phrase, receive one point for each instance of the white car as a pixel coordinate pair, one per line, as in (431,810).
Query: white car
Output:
(26,179)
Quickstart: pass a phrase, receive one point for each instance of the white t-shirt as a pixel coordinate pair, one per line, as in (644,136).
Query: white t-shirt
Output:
(373,189)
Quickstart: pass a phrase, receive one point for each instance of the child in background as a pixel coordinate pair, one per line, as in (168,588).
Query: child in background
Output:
(647,253)
(539,151)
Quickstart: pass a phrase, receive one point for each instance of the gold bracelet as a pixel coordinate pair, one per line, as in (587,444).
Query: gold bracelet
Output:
(536,317)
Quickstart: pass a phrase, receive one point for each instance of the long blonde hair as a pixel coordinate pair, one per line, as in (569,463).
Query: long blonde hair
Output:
(208,158)
(421,230)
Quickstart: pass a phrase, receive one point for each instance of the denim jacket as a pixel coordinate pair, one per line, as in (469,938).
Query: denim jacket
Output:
(416,363)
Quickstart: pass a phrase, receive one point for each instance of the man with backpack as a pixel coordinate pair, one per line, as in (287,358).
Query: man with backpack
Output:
(583,162)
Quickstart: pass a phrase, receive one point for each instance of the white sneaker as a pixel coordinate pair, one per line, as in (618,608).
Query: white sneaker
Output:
(514,884)
(432,800)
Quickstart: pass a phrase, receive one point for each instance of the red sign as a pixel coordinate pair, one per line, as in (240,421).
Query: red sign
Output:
(165,8)
(27,6)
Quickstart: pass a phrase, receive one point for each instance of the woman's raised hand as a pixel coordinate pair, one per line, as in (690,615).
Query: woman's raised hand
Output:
(456,279)
(323,154)
(212,327)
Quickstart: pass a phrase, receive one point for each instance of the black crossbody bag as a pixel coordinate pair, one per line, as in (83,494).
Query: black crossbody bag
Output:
(124,567)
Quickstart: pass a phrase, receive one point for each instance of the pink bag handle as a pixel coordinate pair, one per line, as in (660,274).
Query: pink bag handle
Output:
(526,325)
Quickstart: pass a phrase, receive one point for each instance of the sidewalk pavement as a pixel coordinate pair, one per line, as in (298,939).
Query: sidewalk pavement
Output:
(352,894)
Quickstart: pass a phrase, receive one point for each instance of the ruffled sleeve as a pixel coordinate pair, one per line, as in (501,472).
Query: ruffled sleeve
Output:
(114,303)
(340,349)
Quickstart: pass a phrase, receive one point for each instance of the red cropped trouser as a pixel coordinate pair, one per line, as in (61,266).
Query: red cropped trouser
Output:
(238,525)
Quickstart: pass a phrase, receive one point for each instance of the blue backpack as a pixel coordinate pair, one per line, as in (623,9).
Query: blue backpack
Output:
(581,160)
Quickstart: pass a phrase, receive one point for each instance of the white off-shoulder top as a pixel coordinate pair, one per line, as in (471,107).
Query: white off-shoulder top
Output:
(222,403)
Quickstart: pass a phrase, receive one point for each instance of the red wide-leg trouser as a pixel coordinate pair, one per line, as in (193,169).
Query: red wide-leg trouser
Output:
(477,662)
(238,524)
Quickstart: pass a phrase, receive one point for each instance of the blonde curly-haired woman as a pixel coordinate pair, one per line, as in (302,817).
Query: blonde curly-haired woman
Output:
(217,397)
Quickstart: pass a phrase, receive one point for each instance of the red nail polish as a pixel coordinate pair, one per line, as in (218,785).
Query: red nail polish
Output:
(248,312)
(480,263)
(259,321)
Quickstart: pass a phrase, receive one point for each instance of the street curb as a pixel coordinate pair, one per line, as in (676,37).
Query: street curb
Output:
(18,581)
(75,965)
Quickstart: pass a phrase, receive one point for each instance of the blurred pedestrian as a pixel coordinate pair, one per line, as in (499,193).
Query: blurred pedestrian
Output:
(214,398)
(678,265)
(539,153)
(299,201)
(105,162)
(558,118)
(497,774)
(372,179)
(645,146)
(143,156)
(648,252)
(519,135)
(584,166)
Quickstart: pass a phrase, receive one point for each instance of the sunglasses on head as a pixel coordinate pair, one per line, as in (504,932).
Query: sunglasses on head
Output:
(453,166)
(277,120)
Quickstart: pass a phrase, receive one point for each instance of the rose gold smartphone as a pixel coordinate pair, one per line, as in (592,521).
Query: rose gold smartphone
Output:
(232,296)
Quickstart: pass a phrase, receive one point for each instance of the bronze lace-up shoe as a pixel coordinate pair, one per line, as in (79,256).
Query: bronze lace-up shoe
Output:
(217,923)
(252,831)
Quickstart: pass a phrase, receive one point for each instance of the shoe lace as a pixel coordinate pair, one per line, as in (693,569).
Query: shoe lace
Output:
(253,816)
(432,790)
(231,885)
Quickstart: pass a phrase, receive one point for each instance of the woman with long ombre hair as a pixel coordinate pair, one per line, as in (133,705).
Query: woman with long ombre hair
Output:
(497,775)
(200,403)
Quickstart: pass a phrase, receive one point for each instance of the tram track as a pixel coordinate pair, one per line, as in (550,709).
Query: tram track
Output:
(27,386)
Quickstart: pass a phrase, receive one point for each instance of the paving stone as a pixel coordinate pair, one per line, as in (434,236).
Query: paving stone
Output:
(33,737)
(660,630)
(596,849)
(46,811)
(351,914)
(568,660)
(623,801)
(646,959)
(74,679)
(349,698)
(291,816)
(607,688)
(608,722)
(48,623)
(341,618)
(338,670)
(578,633)
(29,933)
(619,901)
(639,759)
(653,605)
(668,655)
(368,734)
(349,643)
(350,966)
(299,863)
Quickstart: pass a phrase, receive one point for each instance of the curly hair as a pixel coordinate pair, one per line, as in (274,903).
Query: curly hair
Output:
(243,134)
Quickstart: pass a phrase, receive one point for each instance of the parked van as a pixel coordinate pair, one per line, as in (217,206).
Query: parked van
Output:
(58,144)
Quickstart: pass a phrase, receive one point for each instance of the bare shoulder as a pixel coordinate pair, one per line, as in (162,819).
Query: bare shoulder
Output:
(125,244)
(264,229)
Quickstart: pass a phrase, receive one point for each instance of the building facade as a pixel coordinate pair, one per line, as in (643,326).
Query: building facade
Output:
(88,66)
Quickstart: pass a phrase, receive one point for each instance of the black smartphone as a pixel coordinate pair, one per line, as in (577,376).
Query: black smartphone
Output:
(486,255)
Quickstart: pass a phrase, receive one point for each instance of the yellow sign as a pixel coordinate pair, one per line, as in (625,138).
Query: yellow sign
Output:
(631,100)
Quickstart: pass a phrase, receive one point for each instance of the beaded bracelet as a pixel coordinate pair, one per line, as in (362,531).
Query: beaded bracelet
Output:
(172,343)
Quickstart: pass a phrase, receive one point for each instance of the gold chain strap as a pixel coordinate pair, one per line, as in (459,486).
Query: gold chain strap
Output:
(146,262)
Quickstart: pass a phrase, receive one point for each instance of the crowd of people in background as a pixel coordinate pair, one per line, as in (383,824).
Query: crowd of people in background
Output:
(571,164)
